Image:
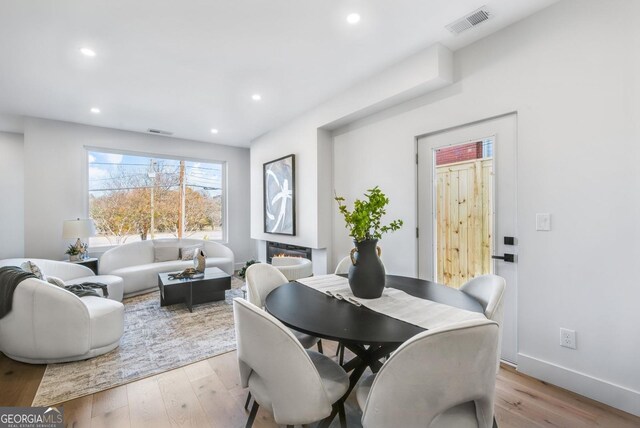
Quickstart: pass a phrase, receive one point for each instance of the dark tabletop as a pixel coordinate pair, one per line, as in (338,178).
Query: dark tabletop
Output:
(315,313)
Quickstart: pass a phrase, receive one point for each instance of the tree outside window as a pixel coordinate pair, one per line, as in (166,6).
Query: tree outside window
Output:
(133,198)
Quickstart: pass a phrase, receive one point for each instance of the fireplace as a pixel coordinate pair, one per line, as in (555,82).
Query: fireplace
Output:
(278,249)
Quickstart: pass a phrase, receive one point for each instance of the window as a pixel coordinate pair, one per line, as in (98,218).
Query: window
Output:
(133,198)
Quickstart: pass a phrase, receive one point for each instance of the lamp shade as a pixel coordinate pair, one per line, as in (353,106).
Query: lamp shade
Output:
(79,228)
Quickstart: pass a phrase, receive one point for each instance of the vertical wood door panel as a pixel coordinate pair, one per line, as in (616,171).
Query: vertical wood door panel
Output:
(464,224)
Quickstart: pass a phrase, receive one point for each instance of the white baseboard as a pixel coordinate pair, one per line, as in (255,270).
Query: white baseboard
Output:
(617,396)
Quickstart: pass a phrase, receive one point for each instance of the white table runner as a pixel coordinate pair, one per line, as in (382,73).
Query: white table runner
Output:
(394,303)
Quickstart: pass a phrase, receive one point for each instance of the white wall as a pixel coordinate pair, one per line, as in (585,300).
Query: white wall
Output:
(572,72)
(12,191)
(303,137)
(56,179)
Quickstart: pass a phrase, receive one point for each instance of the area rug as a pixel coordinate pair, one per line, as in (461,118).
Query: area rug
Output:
(156,339)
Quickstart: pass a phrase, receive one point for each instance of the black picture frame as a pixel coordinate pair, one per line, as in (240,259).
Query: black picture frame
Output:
(276,177)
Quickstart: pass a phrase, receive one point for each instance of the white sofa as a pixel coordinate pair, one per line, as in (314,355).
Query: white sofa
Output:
(72,273)
(134,262)
(48,324)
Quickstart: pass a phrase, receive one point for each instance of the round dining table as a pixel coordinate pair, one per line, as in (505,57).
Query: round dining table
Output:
(368,334)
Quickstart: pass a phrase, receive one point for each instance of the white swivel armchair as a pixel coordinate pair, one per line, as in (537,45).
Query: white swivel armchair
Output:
(296,386)
(489,291)
(293,267)
(442,378)
(48,324)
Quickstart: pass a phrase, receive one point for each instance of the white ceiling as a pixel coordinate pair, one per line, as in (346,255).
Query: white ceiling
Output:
(191,65)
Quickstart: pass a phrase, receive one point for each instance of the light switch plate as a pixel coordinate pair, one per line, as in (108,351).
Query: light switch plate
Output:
(543,222)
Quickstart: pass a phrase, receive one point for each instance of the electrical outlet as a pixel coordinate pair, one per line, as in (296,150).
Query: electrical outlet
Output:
(568,338)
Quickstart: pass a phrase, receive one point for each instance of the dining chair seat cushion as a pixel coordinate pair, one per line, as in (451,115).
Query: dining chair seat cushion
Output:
(461,416)
(334,380)
(305,340)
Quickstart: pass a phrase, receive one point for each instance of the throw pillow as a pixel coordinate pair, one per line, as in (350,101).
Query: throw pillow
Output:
(187,253)
(30,266)
(165,251)
(55,281)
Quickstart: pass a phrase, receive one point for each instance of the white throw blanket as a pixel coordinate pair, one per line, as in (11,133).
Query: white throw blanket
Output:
(394,303)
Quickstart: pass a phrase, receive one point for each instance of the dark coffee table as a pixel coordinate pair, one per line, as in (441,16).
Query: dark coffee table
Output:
(192,291)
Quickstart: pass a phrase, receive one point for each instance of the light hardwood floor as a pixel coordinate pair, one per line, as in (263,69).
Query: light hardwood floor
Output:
(208,394)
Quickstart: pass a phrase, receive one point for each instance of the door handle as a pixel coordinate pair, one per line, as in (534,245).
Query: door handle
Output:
(507,258)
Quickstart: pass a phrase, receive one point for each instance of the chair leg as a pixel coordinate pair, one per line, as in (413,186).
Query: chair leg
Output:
(320,346)
(342,415)
(252,415)
(341,355)
(246,405)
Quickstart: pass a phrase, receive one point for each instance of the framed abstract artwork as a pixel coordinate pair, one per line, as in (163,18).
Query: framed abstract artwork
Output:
(280,196)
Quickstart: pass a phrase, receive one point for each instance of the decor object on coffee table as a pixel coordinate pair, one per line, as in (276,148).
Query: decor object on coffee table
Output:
(200,260)
(367,274)
(280,196)
(78,229)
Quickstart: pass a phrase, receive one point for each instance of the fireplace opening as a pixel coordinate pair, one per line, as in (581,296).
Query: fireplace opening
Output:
(275,249)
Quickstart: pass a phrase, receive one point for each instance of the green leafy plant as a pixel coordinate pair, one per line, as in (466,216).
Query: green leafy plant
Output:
(365,221)
(242,272)
(72,250)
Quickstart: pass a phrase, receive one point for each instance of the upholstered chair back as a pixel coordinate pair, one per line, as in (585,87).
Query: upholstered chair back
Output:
(433,372)
(63,270)
(262,278)
(343,266)
(132,254)
(267,349)
(489,290)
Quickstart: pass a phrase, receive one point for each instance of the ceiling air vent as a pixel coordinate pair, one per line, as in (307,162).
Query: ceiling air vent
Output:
(471,20)
(158,131)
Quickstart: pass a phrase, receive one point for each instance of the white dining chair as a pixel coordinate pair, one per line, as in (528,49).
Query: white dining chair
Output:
(442,378)
(342,269)
(297,386)
(489,291)
(262,279)
(343,266)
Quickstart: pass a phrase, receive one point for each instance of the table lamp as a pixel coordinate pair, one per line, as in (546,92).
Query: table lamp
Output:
(78,229)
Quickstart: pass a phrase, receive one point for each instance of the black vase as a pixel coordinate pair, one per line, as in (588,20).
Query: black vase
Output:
(366,274)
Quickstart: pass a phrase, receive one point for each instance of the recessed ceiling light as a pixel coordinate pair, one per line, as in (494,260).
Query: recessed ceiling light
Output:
(256,97)
(88,52)
(95,110)
(353,18)
(214,131)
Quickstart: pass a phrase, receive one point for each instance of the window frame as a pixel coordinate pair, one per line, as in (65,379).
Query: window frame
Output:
(223,184)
